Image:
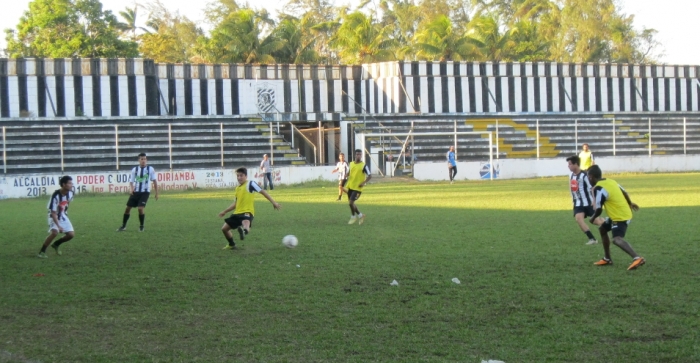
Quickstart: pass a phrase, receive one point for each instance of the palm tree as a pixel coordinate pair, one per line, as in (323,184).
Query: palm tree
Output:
(129,15)
(360,40)
(237,39)
(492,44)
(438,40)
(298,39)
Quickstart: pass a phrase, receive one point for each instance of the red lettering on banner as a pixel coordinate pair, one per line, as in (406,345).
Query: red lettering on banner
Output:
(175,176)
(119,189)
(90,179)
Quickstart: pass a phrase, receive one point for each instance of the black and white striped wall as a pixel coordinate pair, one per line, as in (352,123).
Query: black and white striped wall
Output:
(138,87)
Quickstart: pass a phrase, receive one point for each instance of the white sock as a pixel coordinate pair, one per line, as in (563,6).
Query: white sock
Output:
(359,215)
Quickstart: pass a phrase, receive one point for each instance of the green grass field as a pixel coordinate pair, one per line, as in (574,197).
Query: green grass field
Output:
(529,291)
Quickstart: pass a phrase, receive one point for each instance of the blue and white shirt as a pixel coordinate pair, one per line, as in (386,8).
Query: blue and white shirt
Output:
(451,158)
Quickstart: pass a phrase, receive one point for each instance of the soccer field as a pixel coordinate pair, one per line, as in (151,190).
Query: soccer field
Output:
(529,291)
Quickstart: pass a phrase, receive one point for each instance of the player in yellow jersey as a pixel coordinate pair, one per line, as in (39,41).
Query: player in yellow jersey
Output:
(357,178)
(618,205)
(586,157)
(243,208)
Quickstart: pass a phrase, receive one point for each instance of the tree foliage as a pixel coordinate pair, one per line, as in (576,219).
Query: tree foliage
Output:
(317,31)
(68,28)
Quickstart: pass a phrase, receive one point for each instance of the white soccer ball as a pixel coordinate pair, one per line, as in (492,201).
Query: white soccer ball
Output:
(290,241)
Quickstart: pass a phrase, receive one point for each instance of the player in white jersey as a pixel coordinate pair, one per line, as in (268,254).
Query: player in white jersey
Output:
(582,197)
(140,183)
(58,216)
(342,169)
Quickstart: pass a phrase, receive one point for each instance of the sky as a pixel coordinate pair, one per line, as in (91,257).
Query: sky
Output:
(672,19)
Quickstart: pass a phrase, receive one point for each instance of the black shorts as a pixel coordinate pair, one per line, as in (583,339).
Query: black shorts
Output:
(587,211)
(138,199)
(236,220)
(342,182)
(353,194)
(618,228)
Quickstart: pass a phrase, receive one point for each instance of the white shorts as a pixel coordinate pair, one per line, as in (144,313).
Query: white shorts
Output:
(65,224)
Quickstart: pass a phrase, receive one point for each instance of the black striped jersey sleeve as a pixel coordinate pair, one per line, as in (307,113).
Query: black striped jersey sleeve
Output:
(254,187)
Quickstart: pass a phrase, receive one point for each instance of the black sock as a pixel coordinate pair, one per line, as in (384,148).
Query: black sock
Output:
(43,249)
(589,234)
(125,219)
(59,242)
(142,217)
(229,239)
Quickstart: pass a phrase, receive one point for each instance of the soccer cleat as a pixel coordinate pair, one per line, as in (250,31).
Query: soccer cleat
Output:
(121,229)
(241,233)
(229,247)
(352,220)
(55,248)
(140,228)
(42,255)
(452,181)
(636,263)
(338,200)
(591,242)
(603,262)
(362,219)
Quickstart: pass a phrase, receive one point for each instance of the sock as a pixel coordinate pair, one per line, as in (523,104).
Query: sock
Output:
(359,215)
(125,219)
(43,249)
(142,217)
(589,234)
(229,239)
(59,242)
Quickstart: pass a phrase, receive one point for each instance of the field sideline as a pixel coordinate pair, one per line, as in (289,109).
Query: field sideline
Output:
(529,291)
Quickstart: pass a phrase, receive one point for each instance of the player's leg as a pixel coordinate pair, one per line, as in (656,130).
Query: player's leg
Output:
(67,227)
(53,232)
(340,190)
(143,199)
(142,217)
(618,231)
(244,228)
(360,217)
(604,229)
(454,172)
(449,172)
(265,181)
(580,214)
(131,203)
(226,229)
(353,208)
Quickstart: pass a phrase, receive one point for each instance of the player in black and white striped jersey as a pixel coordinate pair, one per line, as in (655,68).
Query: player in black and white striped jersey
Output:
(58,216)
(342,169)
(140,183)
(582,196)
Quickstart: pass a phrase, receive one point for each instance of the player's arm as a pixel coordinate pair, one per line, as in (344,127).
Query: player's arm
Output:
(132,181)
(600,197)
(367,178)
(268,197)
(632,205)
(230,208)
(155,181)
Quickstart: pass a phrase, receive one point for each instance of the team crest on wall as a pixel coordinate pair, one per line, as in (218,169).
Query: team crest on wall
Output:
(266,97)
